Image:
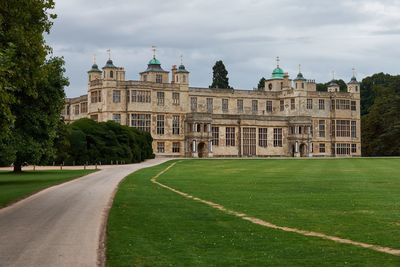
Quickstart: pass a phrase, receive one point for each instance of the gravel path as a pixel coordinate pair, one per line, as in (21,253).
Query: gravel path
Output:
(62,225)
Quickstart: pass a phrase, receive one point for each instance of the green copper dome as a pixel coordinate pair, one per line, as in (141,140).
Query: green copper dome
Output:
(278,73)
(154,61)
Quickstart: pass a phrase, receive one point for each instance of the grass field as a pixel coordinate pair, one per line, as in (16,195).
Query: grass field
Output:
(357,199)
(14,187)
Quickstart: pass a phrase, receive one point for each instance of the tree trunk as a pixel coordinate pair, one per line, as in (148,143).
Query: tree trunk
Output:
(17,168)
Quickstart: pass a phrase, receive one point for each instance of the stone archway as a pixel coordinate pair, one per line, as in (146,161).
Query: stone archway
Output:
(303,150)
(201,150)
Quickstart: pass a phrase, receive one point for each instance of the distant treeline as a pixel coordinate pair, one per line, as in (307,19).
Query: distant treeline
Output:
(380,111)
(86,141)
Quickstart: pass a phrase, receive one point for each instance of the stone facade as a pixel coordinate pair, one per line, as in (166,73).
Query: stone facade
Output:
(288,118)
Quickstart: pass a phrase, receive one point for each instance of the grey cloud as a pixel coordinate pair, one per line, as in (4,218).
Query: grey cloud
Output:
(246,34)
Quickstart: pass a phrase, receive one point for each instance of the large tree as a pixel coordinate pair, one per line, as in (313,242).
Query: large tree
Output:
(32,85)
(220,76)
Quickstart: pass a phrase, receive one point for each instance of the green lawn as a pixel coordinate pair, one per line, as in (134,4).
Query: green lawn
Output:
(358,199)
(14,187)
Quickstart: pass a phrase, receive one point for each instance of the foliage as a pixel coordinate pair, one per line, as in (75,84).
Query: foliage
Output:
(381,123)
(220,76)
(15,186)
(31,88)
(360,202)
(261,83)
(86,141)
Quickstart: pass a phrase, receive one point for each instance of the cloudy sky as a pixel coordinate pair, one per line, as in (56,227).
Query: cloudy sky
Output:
(322,36)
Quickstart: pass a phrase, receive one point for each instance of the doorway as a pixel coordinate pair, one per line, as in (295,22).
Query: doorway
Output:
(201,150)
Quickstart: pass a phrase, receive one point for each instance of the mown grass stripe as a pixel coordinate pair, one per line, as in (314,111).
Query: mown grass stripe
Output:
(387,250)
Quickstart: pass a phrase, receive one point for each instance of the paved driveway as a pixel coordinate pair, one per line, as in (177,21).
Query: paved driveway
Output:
(61,226)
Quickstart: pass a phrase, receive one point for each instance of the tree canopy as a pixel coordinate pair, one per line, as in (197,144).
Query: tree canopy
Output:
(31,87)
(86,141)
(220,76)
(261,84)
(380,109)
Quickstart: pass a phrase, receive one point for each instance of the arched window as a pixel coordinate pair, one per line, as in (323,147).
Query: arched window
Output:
(111,74)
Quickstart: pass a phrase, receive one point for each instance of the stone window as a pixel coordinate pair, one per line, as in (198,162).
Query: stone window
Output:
(193,104)
(239,104)
(140,96)
(353,129)
(215,136)
(160,124)
(94,117)
(262,137)
(321,128)
(292,104)
(158,78)
(160,98)
(321,104)
(175,98)
(160,147)
(353,148)
(309,104)
(343,104)
(282,105)
(95,96)
(176,147)
(141,122)
(342,128)
(84,107)
(333,104)
(322,148)
(268,106)
(249,141)
(210,105)
(342,149)
(353,105)
(145,78)
(76,109)
(175,124)
(224,105)
(254,106)
(278,137)
(116,118)
(230,136)
(111,74)
(116,96)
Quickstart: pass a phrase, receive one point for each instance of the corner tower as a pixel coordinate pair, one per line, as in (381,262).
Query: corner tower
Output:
(353,86)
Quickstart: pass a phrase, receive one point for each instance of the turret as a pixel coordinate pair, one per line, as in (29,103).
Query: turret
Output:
(353,86)
(109,70)
(333,87)
(278,80)
(94,73)
(299,82)
(182,75)
(154,72)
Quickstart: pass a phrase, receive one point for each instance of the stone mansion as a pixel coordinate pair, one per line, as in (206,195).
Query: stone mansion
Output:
(288,118)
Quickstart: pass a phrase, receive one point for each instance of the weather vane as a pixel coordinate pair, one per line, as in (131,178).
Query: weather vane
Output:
(277,61)
(181,59)
(153,47)
(109,53)
(94,58)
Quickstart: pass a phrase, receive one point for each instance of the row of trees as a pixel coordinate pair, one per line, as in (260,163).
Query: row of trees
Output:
(87,141)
